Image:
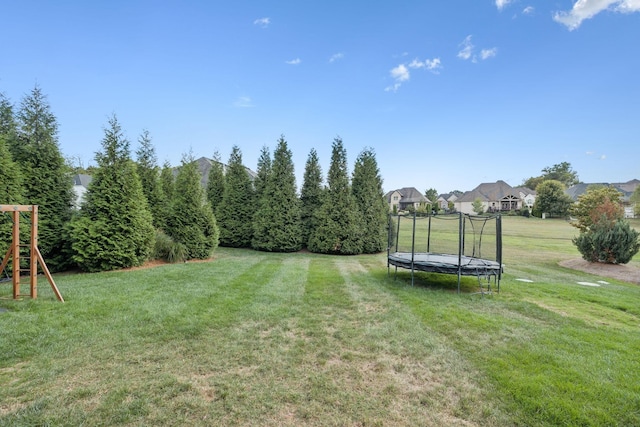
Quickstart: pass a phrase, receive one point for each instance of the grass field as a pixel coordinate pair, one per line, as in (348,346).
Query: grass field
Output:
(255,338)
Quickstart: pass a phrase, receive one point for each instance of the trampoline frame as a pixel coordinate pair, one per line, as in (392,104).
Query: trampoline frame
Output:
(443,263)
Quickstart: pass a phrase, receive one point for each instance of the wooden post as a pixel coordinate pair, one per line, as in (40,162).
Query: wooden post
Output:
(15,243)
(35,256)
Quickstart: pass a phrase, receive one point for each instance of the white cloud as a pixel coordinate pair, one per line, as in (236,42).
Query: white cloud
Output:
(528,10)
(603,157)
(294,61)
(243,102)
(262,22)
(433,65)
(587,9)
(488,53)
(467,48)
(400,74)
(500,4)
(336,57)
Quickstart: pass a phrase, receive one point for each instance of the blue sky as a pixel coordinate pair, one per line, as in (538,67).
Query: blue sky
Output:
(448,93)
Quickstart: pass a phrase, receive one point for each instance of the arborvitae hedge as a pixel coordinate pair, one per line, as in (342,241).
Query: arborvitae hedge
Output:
(369,196)
(277,225)
(310,195)
(192,222)
(114,227)
(235,212)
(338,227)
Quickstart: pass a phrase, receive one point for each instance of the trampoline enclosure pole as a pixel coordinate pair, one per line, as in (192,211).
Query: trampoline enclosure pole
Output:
(460,246)
(413,245)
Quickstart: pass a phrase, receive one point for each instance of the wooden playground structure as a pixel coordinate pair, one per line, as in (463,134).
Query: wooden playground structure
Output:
(34,257)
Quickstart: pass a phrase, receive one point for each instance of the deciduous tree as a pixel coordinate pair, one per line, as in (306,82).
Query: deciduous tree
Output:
(551,200)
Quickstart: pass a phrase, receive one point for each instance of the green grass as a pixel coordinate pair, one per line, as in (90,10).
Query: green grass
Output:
(301,339)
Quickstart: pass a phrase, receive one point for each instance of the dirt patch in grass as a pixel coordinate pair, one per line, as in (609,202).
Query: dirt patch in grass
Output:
(623,272)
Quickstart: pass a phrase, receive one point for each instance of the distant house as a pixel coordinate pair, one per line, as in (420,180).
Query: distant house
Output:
(80,185)
(405,198)
(496,197)
(204,166)
(443,200)
(626,188)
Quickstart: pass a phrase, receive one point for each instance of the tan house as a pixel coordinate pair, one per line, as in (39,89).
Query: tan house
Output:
(496,197)
(444,200)
(405,198)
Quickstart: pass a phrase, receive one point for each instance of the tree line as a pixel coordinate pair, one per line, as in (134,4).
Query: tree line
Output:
(135,210)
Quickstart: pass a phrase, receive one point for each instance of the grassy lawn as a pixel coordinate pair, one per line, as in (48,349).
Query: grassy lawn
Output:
(254,338)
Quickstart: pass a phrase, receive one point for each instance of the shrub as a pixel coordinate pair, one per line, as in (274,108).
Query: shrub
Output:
(168,249)
(612,244)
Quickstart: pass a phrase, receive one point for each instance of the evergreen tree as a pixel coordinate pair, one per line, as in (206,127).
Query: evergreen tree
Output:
(47,178)
(10,193)
(337,228)
(277,224)
(7,119)
(192,222)
(167,189)
(215,182)
(114,228)
(235,212)
(310,194)
(262,173)
(149,174)
(367,190)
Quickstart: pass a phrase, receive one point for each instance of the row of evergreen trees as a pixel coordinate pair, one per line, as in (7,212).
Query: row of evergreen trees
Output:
(136,210)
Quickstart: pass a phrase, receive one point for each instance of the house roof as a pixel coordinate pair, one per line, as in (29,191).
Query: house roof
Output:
(408,195)
(490,191)
(82,179)
(626,188)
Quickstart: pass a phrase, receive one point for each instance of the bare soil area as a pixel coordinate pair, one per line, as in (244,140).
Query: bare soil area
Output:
(621,272)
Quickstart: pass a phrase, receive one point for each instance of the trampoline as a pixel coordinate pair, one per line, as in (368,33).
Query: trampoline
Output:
(460,244)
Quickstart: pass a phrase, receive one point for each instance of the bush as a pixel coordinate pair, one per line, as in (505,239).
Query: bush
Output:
(168,249)
(612,244)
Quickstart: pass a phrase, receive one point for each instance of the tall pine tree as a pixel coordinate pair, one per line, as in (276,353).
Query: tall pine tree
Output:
(192,222)
(367,190)
(337,228)
(235,212)
(277,225)
(149,173)
(114,228)
(310,195)
(47,177)
(215,182)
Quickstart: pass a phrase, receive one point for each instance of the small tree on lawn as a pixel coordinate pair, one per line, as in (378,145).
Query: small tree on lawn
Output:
(310,195)
(605,236)
(551,199)
(277,225)
(192,222)
(235,212)
(478,206)
(215,182)
(114,228)
(432,195)
(369,196)
(594,203)
(337,228)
